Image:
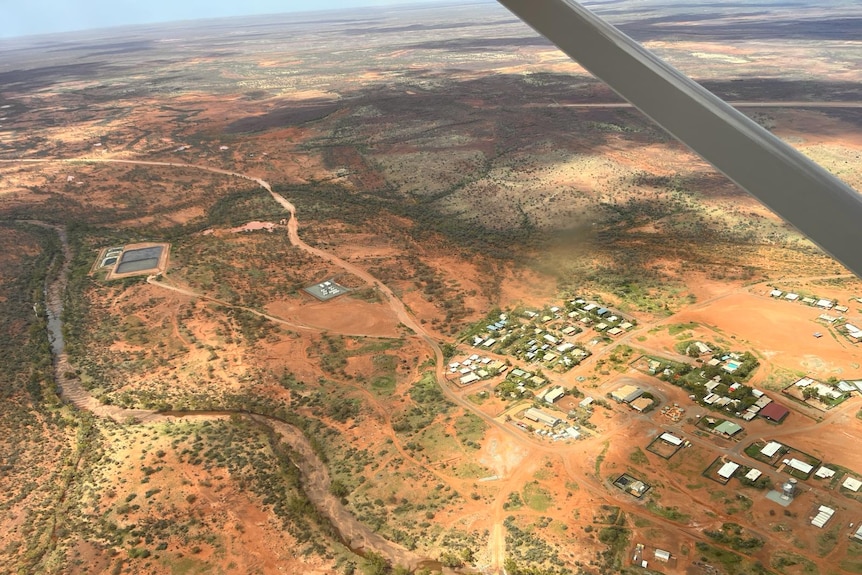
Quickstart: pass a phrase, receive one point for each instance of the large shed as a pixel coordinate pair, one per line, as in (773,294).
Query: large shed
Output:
(627,393)
(728,428)
(774,411)
(542,417)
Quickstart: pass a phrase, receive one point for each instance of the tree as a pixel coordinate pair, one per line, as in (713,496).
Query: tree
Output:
(376,564)
(451,559)
(339,488)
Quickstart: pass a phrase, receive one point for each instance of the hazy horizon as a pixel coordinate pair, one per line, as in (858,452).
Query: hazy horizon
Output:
(38,17)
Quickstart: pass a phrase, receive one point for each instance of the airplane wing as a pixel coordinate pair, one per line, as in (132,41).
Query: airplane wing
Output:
(818,204)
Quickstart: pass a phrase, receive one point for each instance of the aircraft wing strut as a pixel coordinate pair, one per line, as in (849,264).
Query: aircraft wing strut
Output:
(818,204)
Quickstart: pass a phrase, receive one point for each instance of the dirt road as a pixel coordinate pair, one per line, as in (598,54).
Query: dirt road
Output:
(315,477)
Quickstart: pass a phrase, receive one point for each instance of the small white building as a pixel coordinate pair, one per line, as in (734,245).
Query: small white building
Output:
(791,297)
(670,438)
(824,472)
(852,484)
(824,514)
(551,396)
(800,466)
(662,555)
(770,448)
(728,469)
(702,348)
(469,378)
(753,474)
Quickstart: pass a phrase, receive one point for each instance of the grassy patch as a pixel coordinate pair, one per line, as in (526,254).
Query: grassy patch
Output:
(731,563)
(470,429)
(852,562)
(428,403)
(677,328)
(671,513)
(435,443)
(189,566)
(478,398)
(601,457)
(383,384)
(472,470)
(733,536)
(827,540)
(639,457)
(789,562)
(536,497)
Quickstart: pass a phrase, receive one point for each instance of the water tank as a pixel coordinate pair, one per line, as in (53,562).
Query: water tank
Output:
(789,488)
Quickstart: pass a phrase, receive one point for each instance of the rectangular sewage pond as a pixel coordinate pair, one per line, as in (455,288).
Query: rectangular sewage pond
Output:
(139,260)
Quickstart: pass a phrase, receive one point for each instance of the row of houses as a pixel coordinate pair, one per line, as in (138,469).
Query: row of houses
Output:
(605,320)
(851,331)
(536,344)
(476,368)
(742,406)
(826,304)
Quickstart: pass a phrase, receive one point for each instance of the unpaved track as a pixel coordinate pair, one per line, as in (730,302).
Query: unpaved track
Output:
(497,544)
(315,477)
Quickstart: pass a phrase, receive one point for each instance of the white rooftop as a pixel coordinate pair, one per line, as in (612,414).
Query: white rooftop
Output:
(852,484)
(753,474)
(799,465)
(728,469)
(824,472)
(824,514)
(770,448)
(670,438)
